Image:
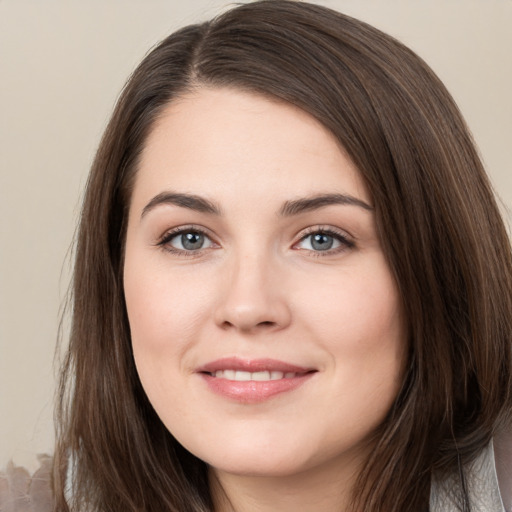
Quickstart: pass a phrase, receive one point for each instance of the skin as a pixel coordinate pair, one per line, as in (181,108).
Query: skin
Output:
(259,288)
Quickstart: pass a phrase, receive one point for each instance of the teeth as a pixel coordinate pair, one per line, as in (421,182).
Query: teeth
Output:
(241,376)
(260,376)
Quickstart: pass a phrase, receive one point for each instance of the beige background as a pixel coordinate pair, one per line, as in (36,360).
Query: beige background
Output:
(62,64)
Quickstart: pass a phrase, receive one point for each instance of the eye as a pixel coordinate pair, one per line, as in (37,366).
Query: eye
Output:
(186,240)
(324,240)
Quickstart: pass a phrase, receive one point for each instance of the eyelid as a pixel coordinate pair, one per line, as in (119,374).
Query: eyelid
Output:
(168,235)
(346,240)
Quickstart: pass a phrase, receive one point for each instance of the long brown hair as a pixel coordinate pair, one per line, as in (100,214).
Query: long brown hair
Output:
(438,223)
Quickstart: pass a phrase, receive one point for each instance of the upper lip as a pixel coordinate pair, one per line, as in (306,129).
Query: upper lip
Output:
(252,365)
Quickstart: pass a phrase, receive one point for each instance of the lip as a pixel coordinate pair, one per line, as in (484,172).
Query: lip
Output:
(252,365)
(253,391)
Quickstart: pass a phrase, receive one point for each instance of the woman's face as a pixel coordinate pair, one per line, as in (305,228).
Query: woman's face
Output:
(265,322)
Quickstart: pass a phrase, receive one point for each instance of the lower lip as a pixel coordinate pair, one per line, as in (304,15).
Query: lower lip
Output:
(254,391)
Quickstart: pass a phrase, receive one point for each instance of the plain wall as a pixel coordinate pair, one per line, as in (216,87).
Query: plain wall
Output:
(62,65)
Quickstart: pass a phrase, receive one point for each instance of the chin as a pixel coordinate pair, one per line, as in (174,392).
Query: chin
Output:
(252,458)
(256,467)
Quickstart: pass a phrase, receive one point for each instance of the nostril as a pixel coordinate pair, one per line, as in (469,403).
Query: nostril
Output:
(238,325)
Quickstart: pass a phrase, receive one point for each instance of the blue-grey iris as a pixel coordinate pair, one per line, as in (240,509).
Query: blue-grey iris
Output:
(192,241)
(322,242)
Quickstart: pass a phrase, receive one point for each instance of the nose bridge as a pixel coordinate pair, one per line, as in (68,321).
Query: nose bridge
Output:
(253,297)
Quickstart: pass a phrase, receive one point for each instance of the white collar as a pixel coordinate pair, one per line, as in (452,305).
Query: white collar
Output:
(481,483)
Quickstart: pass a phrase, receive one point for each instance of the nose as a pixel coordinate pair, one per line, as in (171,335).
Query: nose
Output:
(253,297)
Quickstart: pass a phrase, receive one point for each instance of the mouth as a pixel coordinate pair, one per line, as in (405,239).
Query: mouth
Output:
(253,381)
(243,376)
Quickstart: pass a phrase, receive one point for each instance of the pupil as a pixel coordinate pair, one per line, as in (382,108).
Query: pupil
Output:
(322,242)
(192,241)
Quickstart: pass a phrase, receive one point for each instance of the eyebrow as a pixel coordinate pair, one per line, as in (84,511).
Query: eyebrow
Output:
(319,201)
(190,201)
(289,208)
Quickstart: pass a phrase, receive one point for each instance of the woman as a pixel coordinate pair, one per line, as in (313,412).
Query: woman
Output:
(292,283)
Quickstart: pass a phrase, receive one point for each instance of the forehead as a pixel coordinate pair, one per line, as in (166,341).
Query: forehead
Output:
(213,141)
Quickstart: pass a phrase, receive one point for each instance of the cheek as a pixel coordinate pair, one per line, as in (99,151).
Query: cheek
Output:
(165,318)
(164,308)
(356,311)
(159,322)
(358,321)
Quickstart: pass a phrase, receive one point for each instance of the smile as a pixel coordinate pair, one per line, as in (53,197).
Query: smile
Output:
(242,376)
(253,381)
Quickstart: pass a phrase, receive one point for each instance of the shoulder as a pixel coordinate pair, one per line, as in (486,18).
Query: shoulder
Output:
(487,481)
(476,480)
(503,459)
(22,492)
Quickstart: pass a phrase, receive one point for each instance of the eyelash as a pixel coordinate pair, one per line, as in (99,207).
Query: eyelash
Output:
(164,242)
(339,236)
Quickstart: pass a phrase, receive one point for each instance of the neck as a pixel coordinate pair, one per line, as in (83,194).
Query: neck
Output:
(328,489)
